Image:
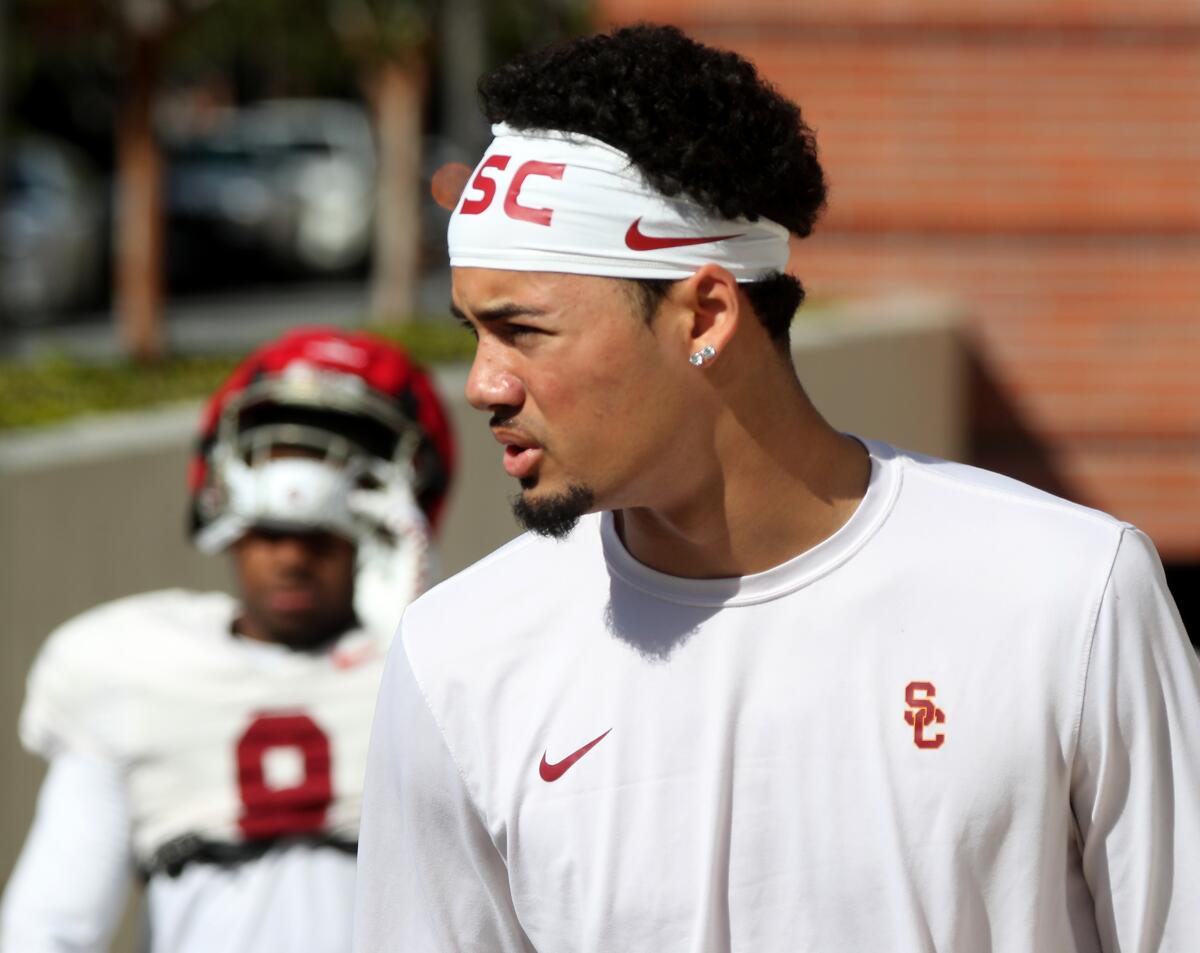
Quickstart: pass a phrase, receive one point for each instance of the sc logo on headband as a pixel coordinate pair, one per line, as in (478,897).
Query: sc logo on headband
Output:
(486,186)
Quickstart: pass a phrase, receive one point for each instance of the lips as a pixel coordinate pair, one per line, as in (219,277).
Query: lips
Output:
(521,455)
(520,462)
(292,600)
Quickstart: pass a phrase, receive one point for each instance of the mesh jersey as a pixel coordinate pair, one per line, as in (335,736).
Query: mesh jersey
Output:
(222,741)
(969,720)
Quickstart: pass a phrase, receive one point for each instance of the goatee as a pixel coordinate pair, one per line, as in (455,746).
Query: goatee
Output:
(554,516)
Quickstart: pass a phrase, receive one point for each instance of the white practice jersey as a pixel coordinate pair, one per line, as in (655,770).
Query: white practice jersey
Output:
(968,721)
(238,766)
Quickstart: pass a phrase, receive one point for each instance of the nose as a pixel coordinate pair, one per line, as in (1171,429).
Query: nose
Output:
(491,385)
(294,552)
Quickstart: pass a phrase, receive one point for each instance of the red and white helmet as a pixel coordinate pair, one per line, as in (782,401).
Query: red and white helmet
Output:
(311,423)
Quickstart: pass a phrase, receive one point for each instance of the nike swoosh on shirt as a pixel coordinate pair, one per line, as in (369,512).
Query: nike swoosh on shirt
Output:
(638,240)
(552,772)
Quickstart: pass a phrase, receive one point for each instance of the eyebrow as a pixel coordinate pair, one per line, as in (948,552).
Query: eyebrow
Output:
(499,312)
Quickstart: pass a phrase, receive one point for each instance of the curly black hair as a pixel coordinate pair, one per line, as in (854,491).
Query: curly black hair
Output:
(693,119)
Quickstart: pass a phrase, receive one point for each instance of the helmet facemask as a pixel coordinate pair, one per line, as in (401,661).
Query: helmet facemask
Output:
(290,452)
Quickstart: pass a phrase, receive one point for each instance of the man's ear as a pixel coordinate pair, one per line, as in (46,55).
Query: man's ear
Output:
(710,297)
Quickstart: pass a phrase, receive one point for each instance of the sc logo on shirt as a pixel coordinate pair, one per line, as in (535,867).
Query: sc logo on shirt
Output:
(923,714)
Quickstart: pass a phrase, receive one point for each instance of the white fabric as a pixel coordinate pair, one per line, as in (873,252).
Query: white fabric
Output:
(756,784)
(158,689)
(298,898)
(543,200)
(69,886)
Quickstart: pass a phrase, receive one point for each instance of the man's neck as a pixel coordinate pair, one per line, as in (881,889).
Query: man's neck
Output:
(314,640)
(772,493)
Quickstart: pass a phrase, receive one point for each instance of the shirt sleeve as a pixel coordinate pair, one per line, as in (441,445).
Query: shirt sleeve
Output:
(430,878)
(1136,778)
(70,884)
(73,696)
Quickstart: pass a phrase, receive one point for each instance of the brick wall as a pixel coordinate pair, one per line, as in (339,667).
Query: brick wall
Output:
(1039,161)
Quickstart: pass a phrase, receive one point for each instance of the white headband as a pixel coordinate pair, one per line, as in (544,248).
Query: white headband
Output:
(542,200)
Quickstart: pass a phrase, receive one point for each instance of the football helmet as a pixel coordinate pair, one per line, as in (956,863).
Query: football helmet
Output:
(321,430)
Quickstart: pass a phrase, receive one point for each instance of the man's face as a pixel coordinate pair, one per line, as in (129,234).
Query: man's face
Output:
(586,398)
(296,588)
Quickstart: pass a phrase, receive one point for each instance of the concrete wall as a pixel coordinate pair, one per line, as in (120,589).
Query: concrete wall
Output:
(93,509)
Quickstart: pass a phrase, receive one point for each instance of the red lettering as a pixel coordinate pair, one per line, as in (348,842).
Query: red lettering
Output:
(514,209)
(299,809)
(484,184)
(926,713)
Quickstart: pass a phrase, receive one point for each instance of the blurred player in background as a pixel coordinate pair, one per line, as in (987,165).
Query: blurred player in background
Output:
(768,687)
(217,744)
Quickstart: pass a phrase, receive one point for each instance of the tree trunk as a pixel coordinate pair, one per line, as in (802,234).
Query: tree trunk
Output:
(398,90)
(138,222)
(462,55)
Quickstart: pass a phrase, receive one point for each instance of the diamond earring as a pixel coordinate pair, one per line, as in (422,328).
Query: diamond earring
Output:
(706,353)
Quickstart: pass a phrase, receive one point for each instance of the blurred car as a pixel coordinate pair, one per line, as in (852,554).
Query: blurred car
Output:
(52,231)
(289,183)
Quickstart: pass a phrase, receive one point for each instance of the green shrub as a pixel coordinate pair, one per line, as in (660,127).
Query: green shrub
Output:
(58,388)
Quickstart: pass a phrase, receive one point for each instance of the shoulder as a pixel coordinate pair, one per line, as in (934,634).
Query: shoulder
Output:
(966,498)
(504,603)
(88,668)
(983,536)
(529,566)
(124,623)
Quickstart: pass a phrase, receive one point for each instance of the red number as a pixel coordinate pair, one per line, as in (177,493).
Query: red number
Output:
(484,184)
(514,209)
(274,812)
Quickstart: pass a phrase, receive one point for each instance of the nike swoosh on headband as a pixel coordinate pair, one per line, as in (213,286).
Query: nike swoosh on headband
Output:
(637,240)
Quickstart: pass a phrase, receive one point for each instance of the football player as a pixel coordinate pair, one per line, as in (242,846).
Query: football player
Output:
(217,744)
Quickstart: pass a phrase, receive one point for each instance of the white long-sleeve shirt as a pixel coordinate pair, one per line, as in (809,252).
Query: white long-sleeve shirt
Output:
(970,720)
